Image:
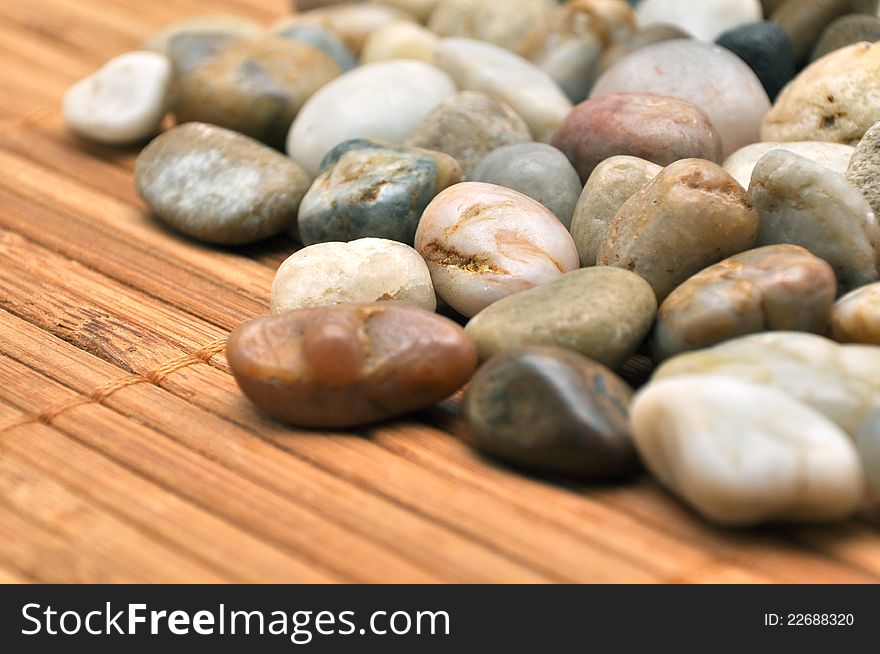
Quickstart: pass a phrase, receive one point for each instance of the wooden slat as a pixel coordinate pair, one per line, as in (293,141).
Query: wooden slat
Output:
(179,475)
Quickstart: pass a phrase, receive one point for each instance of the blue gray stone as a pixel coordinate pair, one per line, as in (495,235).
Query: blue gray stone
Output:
(370,189)
(319,38)
(537,170)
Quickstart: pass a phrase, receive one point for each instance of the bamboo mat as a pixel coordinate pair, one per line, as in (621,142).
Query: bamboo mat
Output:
(127,454)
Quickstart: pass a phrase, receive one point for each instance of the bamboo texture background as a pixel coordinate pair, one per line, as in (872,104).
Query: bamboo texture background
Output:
(127,454)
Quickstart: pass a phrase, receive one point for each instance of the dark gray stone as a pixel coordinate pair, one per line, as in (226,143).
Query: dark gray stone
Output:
(766,48)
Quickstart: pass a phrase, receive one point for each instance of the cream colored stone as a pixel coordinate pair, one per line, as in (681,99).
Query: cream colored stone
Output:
(352,22)
(400,40)
(613,182)
(856,316)
(742,454)
(833,156)
(839,381)
(706,19)
(479,66)
(836,98)
(358,272)
(123,101)
(484,242)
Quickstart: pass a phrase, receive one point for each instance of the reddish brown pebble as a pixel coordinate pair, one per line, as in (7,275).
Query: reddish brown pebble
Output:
(349,365)
(654,127)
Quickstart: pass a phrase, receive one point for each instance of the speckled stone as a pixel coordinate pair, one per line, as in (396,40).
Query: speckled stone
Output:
(535,169)
(691,215)
(863,170)
(363,271)
(845,31)
(468,126)
(227,24)
(639,39)
(400,40)
(839,381)
(352,22)
(385,101)
(869,450)
(531,92)
(709,76)
(253,85)
(351,364)
(370,189)
(741,454)
(484,242)
(834,156)
(803,203)
(778,287)
(856,316)
(122,102)
(613,182)
(603,313)
(705,19)
(836,98)
(219,186)
(766,49)
(550,409)
(323,40)
(657,128)
(804,22)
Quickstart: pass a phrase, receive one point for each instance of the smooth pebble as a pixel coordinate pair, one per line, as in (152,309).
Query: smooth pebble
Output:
(765,47)
(228,24)
(705,19)
(400,40)
(863,170)
(484,242)
(834,156)
(856,316)
(551,410)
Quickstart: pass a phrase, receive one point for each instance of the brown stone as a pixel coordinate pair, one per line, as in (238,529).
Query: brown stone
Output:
(656,128)
(349,365)
(691,215)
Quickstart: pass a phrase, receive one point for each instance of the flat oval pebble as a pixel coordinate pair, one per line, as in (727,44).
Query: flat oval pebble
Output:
(863,170)
(856,316)
(741,454)
(122,102)
(535,169)
(709,76)
(845,31)
(550,409)
(352,22)
(483,242)
(228,24)
(803,203)
(777,287)
(400,40)
(836,99)
(657,128)
(360,272)
(839,381)
(765,47)
(468,126)
(253,85)
(219,186)
(834,156)
(705,19)
(323,40)
(349,365)
(385,101)
(612,182)
(603,313)
(371,189)
(691,215)
(532,93)
(869,449)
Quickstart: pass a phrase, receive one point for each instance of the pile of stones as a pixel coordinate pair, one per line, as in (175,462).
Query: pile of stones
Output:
(516,198)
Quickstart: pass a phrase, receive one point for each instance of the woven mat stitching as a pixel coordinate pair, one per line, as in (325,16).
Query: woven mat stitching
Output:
(101,393)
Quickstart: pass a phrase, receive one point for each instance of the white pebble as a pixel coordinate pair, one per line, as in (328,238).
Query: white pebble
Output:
(123,101)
